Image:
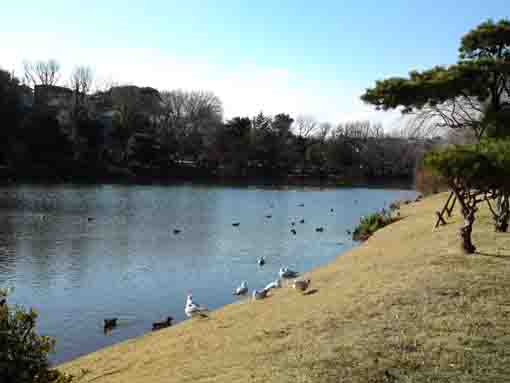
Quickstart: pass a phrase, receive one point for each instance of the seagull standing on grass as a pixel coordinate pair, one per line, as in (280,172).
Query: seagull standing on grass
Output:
(274,285)
(193,309)
(259,294)
(287,273)
(242,289)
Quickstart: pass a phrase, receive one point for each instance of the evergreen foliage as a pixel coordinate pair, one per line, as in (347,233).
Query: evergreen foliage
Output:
(24,353)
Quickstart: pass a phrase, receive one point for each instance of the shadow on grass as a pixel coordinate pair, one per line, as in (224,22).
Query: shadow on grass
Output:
(497,255)
(311,292)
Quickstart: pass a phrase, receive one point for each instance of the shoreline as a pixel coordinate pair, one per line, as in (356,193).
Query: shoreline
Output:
(402,184)
(394,292)
(123,176)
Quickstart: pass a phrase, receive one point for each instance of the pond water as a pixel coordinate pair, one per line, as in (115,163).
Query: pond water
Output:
(79,254)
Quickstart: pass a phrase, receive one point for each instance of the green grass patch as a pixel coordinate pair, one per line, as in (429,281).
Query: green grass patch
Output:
(369,224)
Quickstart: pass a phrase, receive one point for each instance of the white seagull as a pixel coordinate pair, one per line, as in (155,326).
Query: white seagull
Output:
(192,309)
(259,294)
(287,273)
(242,289)
(274,285)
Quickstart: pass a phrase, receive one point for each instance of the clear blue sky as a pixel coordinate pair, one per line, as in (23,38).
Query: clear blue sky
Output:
(290,56)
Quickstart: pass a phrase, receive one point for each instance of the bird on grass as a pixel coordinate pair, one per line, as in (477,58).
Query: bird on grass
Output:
(301,285)
(164,324)
(319,229)
(302,221)
(293,231)
(276,284)
(287,273)
(259,294)
(236,224)
(176,231)
(261,261)
(242,289)
(193,309)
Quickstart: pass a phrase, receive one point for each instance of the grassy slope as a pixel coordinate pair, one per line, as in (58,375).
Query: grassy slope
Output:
(405,306)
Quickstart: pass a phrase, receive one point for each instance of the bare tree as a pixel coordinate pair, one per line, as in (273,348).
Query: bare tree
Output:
(305,126)
(462,112)
(131,101)
(81,82)
(81,79)
(417,126)
(41,72)
(203,105)
(191,107)
(360,130)
(186,118)
(173,107)
(323,131)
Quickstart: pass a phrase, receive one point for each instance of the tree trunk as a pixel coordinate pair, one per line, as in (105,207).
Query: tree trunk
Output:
(466,230)
(502,218)
(468,209)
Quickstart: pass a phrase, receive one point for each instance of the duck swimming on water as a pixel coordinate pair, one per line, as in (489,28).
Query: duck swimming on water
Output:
(109,323)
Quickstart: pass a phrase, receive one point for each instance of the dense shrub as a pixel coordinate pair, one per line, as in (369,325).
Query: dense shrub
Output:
(369,224)
(485,165)
(23,353)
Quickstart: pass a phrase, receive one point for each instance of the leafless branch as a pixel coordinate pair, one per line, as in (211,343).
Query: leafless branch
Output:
(305,126)
(41,72)
(81,79)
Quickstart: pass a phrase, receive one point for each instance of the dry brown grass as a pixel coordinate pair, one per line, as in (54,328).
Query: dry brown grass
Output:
(406,306)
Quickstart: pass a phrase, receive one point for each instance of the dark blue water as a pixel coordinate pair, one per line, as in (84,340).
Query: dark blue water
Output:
(79,254)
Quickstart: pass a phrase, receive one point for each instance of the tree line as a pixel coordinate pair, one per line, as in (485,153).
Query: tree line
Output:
(127,130)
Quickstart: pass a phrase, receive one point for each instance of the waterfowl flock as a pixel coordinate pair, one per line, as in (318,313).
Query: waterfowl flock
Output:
(268,216)
(193,309)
